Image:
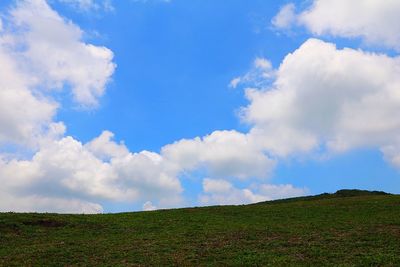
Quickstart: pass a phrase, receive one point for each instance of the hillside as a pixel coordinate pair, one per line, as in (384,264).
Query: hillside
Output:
(349,227)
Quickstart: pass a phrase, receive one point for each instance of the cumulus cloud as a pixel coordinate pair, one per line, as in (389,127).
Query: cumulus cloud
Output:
(54,54)
(24,114)
(104,170)
(39,52)
(104,147)
(222,153)
(376,22)
(222,192)
(66,169)
(339,99)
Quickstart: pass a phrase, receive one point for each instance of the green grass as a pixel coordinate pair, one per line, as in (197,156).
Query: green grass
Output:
(350,228)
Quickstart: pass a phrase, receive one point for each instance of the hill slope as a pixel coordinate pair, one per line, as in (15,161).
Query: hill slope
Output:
(345,228)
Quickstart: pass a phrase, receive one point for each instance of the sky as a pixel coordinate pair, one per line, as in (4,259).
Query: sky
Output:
(114,106)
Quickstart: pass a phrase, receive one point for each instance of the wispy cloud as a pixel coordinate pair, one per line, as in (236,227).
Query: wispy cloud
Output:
(90,5)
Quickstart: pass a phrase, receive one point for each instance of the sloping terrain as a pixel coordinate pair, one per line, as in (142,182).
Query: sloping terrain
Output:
(348,228)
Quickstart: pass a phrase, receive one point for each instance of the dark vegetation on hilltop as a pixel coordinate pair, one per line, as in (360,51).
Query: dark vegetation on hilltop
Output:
(337,194)
(347,228)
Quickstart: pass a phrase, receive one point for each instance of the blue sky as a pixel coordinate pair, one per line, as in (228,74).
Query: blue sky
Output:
(162,71)
(174,67)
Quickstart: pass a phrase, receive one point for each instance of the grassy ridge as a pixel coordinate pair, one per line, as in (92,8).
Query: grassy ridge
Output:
(350,229)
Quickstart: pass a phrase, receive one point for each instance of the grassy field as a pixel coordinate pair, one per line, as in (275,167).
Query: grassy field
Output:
(344,229)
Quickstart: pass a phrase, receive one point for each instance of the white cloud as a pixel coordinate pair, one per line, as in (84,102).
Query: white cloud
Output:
(216,186)
(235,82)
(222,153)
(323,96)
(148,206)
(375,21)
(148,172)
(103,170)
(221,192)
(40,51)
(263,64)
(24,115)
(90,5)
(23,203)
(65,169)
(281,191)
(285,18)
(55,55)
(82,4)
(391,153)
(103,147)
(259,75)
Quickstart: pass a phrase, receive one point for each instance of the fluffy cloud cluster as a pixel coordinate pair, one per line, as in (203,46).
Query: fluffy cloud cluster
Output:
(320,98)
(222,192)
(41,52)
(55,54)
(66,168)
(377,22)
(223,154)
(24,114)
(343,99)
